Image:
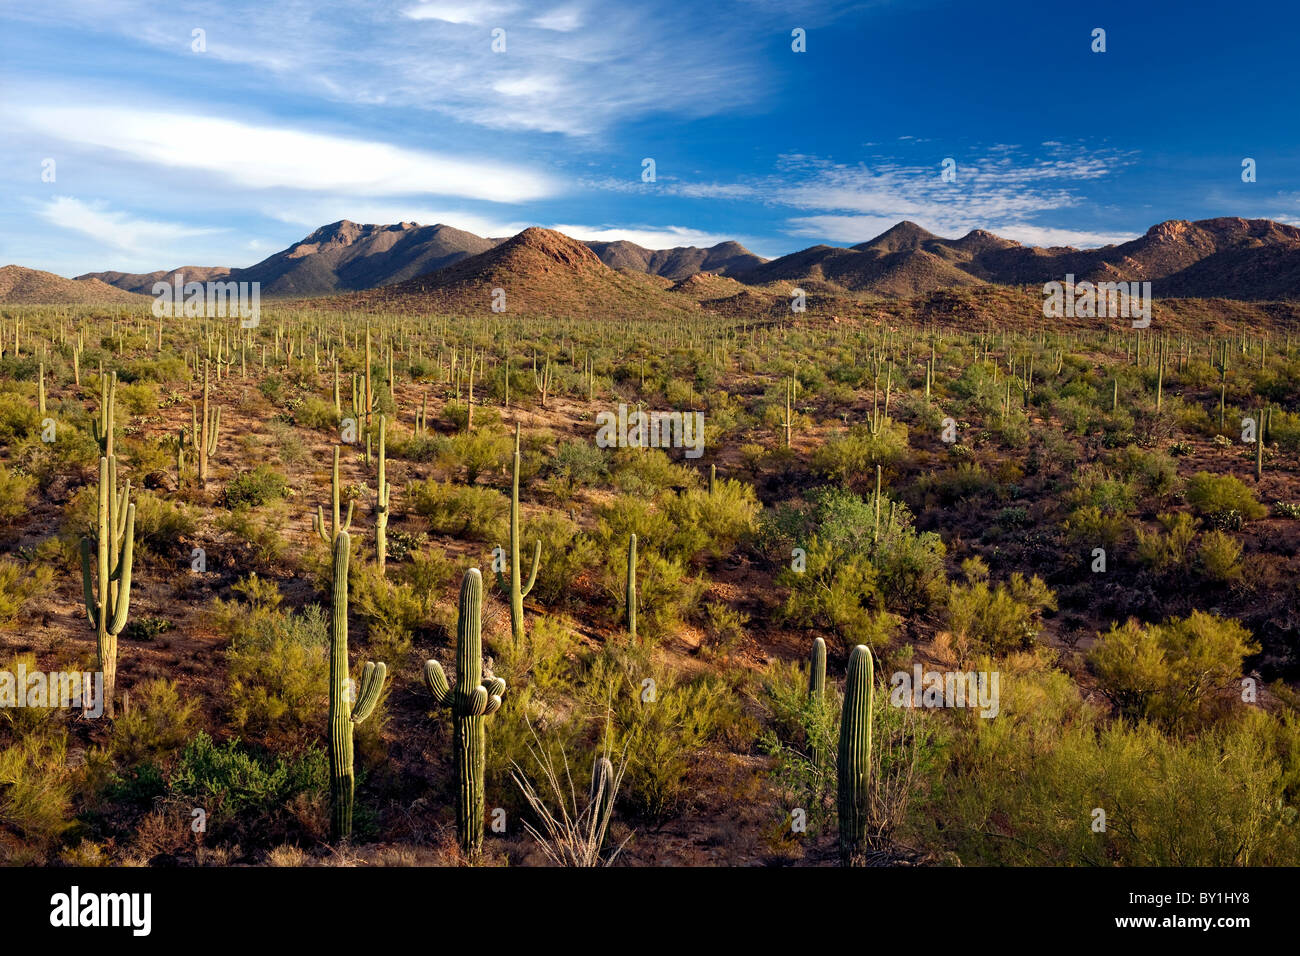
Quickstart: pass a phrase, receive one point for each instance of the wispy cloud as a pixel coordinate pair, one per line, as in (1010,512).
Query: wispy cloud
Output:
(115,229)
(267,157)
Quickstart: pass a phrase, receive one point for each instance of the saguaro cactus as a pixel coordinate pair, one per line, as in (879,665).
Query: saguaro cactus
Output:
(318,522)
(817,671)
(853,765)
(475,696)
(205,437)
(383,495)
(517,590)
(631,585)
(115,546)
(102,430)
(343,714)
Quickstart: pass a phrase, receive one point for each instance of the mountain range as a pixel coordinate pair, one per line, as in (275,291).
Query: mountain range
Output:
(540,269)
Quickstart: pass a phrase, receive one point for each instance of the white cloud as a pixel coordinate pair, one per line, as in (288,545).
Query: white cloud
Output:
(116,230)
(649,237)
(266,157)
(458,12)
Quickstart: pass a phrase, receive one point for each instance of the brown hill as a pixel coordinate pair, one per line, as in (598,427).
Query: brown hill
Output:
(143,282)
(1255,260)
(540,271)
(22,286)
(677,263)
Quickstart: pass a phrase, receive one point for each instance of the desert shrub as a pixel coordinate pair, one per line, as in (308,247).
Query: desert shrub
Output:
(967,481)
(315,412)
(567,555)
(802,736)
(140,398)
(261,530)
(666,592)
(1154,472)
(1168,548)
(1212,495)
(854,454)
(160,524)
(1183,671)
(393,612)
(1111,494)
(662,736)
(277,663)
(1091,527)
(1000,618)
(157,724)
(21,585)
(1220,557)
(36,788)
(467,511)
(712,524)
(255,487)
(231,781)
(15,488)
(1040,770)
(475,452)
(580,462)
(645,472)
(725,626)
(18,418)
(837,593)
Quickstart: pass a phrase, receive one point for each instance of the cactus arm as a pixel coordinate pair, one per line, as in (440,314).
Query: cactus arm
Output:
(123,575)
(372,684)
(436,681)
(318,524)
(88,586)
(476,704)
(532,575)
(348,524)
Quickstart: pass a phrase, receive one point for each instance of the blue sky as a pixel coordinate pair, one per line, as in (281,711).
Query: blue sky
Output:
(301,113)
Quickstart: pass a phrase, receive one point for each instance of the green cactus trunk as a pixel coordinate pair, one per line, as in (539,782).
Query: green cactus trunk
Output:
(115,545)
(854,762)
(343,715)
(631,586)
(474,697)
(517,589)
(383,496)
(817,671)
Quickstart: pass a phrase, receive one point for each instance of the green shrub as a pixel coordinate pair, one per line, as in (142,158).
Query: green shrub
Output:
(1183,671)
(15,488)
(464,511)
(1220,557)
(256,487)
(231,781)
(157,724)
(1170,547)
(21,585)
(999,619)
(837,593)
(1212,495)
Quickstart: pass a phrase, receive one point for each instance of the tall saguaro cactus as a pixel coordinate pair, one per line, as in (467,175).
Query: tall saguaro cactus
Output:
(205,437)
(103,428)
(115,546)
(517,589)
(383,495)
(318,522)
(343,713)
(853,766)
(475,696)
(631,585)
